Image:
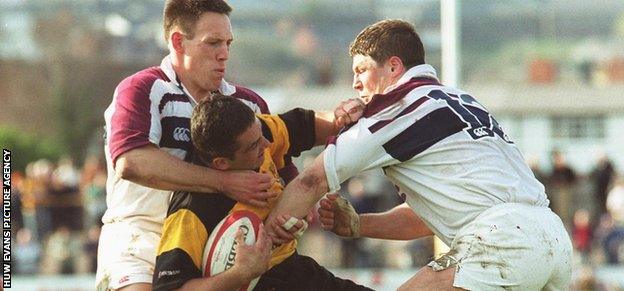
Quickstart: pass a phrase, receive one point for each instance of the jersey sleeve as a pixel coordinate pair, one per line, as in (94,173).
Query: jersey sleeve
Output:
(134,120)
(354,151)
(289,133)
(180,250)
(301,130)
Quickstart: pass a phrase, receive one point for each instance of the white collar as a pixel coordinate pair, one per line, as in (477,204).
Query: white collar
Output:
(225,88)
(423,70)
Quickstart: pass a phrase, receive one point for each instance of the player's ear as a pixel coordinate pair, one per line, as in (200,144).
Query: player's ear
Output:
(395,65)
(177,39)
(221,163)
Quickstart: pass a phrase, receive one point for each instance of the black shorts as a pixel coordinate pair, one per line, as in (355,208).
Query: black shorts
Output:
(303,273)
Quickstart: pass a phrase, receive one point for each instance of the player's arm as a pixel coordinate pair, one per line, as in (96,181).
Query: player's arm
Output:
(298,199)
(251,262)
(399,223)
(134,130)
(324,128)
(154,168)
(356,150)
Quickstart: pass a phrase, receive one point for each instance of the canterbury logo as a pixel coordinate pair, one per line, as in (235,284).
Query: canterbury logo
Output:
(182,134)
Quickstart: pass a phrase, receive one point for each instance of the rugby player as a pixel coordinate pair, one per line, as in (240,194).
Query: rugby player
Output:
(228,136)
(148,137)
(462,177)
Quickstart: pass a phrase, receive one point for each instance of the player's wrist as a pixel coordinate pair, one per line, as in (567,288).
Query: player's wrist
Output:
(222,181)
(241,274)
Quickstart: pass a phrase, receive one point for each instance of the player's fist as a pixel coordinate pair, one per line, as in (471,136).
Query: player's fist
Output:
(338,216)
(348,111)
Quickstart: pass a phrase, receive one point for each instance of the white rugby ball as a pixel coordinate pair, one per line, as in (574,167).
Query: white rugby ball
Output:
(220,250)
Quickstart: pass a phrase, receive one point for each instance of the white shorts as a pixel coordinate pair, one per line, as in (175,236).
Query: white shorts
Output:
(126,255)
(511,247)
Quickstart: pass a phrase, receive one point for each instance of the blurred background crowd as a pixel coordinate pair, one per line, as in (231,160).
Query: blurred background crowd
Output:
(551,71)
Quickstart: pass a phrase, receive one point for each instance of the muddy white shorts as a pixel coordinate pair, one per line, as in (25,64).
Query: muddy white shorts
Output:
(511,247)
(126,255)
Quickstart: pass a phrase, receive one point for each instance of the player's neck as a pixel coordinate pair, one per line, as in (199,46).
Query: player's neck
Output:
(196,91)
(184,76)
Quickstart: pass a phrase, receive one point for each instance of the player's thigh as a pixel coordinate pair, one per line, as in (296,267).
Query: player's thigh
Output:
(518,248)
(126,256)
(137,287)
(428,279)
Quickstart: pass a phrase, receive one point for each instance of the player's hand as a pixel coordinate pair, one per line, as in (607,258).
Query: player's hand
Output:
(338,216)
(348,111)
(276,231)
(294,226)
(252,260)
(248,187)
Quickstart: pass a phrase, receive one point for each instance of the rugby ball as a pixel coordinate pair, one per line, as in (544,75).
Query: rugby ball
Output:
(220,250)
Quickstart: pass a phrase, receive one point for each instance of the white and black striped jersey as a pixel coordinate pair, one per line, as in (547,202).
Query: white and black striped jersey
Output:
(152,107)
(443,150)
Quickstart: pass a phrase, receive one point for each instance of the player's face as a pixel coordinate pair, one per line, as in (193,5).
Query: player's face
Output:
(370,77)
(251,146)
(206,53)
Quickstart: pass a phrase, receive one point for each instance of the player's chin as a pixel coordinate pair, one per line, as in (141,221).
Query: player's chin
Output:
(215,82)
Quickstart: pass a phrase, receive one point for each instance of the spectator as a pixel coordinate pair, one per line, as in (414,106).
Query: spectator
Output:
(561,184)
(601,178)
(614,246)
(93,190)
(27,252)
(16,202)
(581,232)
(66,205)
(40,179)
(610,237)
(94,194)
(91,246)
(615,201)
(61,255)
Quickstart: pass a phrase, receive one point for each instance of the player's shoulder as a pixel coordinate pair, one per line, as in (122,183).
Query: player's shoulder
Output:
(249,95)
(142,81)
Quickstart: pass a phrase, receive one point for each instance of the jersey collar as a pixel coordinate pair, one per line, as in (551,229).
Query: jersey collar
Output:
(417,76)
(420,71)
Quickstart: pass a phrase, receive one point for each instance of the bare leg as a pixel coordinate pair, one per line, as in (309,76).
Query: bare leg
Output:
(428,279)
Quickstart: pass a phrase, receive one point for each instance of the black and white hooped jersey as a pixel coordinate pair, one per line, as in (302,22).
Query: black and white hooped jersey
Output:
(447,155)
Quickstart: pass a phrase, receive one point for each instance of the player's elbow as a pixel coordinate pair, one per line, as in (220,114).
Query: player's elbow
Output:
(314,181)
(126,168)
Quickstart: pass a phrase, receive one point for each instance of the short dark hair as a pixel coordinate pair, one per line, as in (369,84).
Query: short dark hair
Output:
(185,13)
(387,38)
(216,124)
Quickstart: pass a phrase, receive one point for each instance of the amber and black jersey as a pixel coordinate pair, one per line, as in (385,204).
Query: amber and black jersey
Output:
(191,217)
